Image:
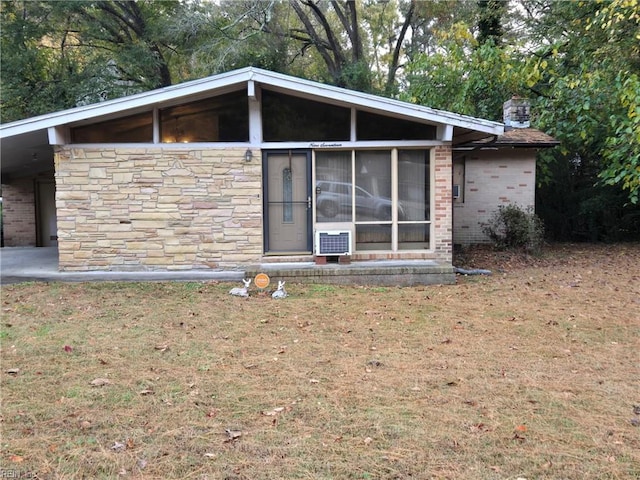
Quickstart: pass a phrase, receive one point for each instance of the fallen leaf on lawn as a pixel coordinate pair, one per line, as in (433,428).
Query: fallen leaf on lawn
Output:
(368,440)
(16,459)
(145,392)
(313,380)
(481,427)
(68,349)
(232,435)
(275,411)
(130,443)
(100,382)
(210,455)
(118,446)
(519,438)
(162,348)
(521,428)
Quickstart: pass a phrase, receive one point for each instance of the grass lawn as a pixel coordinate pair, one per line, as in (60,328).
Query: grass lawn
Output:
(533,372)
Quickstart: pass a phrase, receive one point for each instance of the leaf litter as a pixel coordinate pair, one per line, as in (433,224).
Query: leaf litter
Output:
(470,371)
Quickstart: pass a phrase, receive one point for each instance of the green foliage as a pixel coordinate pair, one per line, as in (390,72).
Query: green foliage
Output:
(587,86)
(622,147)
(490,20)
(56,55)
(574,209)
(513,227)
(464,77)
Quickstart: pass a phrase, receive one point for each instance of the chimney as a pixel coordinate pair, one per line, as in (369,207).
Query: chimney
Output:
(516,113)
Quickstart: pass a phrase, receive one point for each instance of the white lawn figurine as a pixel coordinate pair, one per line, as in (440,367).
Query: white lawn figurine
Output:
(241,291)
(280,292)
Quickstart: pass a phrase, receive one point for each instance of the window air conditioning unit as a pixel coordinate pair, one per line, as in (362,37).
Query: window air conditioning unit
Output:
(333,242)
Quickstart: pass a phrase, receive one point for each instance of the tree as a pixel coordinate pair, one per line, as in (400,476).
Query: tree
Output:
(359,43)
(36,77)
(465,76)
(490,20)
(60,54)
(586,80)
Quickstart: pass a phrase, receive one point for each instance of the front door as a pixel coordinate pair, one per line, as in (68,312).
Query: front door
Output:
(47,226)
(287,192)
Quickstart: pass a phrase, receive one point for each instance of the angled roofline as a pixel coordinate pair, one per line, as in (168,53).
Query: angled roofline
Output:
(267,78)
(129,102)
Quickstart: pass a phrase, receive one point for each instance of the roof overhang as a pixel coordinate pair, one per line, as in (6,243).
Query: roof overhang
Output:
(22,139)
(511,138)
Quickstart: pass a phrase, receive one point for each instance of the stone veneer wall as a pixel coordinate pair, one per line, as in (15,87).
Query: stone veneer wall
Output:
(157,208)
(492,178)
(19,213)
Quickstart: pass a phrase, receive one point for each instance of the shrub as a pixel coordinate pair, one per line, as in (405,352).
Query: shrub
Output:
(513,227)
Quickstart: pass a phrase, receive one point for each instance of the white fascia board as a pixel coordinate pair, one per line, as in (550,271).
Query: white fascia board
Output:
(374,103)
(58,135)
(318,91)
(445,132)
(348,145)
(131,102)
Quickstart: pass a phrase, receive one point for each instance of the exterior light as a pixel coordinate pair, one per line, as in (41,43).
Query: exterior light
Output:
(248,155)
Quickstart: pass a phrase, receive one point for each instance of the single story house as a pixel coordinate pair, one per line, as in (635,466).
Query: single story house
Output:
(251,167)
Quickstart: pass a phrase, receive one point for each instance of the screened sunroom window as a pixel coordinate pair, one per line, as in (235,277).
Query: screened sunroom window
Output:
(333,187)
(414,215)
(286,118)
(131,129)
(385,194)
(373,200)
(224,118)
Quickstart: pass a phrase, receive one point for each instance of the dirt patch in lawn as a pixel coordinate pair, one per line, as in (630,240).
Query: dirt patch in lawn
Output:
(531,372)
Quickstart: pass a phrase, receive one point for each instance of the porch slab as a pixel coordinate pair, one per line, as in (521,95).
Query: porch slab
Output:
(379,272)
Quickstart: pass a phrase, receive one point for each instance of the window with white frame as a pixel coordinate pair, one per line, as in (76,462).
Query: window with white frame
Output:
(385,194)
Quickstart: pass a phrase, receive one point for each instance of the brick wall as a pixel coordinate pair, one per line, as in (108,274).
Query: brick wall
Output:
(492,178)
(157,209)
(19,213)
(442,212)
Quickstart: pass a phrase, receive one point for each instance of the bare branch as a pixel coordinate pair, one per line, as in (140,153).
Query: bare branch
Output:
(393,68)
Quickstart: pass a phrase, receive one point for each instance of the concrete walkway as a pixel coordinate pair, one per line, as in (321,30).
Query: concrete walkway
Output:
(30,264)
